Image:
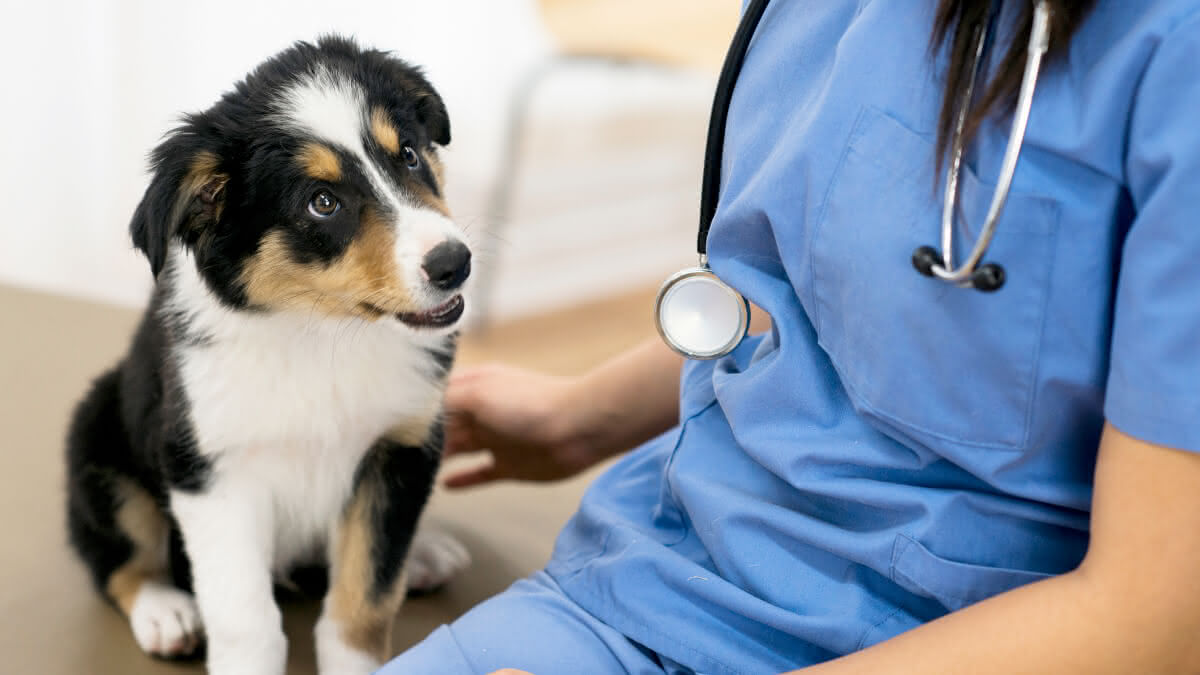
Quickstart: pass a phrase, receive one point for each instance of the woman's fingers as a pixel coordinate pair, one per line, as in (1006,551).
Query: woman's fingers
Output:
(459,435)
(464,386)
(464,402)
(461,396)
(471,477)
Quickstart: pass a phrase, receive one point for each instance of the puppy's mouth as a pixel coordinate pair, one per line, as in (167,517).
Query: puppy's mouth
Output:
(441,316)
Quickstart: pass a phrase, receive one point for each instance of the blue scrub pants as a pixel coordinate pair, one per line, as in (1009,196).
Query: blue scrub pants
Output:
(531,626)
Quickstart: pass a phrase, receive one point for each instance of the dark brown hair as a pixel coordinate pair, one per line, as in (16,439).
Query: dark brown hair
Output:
(955,25)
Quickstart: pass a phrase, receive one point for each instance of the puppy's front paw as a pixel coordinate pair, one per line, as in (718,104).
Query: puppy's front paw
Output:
(433,559)
(335,657)
(165,621)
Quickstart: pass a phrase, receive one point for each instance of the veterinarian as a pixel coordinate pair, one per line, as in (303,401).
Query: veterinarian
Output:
(909,472)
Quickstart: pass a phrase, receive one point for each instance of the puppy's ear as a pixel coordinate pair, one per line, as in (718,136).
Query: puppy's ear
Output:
(186,193)
(431,113)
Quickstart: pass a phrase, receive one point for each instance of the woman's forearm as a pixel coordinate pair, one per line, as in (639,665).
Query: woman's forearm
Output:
(1059,625)
(626,400)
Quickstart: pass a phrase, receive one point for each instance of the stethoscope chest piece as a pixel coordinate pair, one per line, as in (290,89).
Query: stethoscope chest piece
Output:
(700,316)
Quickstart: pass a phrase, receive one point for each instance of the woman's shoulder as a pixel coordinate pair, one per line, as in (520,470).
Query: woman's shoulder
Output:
(1116,24)
(1120,40)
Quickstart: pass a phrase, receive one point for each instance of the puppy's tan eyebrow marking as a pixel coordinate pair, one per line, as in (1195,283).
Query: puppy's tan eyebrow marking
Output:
(319,162)
(384,131)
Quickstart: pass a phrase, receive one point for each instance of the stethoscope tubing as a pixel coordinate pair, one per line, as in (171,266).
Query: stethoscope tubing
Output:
(714,148)
(1039,42)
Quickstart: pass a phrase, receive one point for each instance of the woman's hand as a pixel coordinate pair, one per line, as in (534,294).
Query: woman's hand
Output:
(525,419)
(542,428)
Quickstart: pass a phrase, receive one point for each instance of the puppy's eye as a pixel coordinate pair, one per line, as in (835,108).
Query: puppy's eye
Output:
(323,204)
(411,159)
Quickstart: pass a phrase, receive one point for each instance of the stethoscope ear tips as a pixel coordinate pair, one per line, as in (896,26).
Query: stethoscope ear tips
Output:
(924,259)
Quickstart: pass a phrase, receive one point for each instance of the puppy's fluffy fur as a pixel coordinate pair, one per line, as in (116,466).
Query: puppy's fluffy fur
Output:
(280,405)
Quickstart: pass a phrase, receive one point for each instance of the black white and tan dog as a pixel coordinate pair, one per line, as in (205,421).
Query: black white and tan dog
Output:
(280,406)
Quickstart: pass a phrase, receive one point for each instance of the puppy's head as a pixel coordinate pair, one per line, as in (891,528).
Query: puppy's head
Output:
(314,185)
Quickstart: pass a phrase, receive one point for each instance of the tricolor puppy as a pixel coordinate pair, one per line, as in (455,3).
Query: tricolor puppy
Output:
(280,406)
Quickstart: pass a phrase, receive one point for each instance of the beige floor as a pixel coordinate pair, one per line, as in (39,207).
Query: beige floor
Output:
(53,623)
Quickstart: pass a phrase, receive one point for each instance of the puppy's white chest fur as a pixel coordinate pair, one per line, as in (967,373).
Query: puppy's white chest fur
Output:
(289,403)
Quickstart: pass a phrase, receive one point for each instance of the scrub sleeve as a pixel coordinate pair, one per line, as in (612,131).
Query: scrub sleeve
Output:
(1153,388)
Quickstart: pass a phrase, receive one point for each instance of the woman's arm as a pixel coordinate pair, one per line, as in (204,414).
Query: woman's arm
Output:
(1133,606)
(626,401)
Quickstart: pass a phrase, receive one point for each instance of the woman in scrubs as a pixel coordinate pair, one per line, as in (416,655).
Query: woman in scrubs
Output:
(900,475)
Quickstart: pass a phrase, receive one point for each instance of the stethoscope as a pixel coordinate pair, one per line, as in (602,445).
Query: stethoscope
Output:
(702,317)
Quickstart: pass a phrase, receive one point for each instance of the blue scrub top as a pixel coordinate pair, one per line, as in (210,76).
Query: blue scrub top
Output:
(897,448)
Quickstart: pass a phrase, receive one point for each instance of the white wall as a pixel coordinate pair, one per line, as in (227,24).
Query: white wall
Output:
(607,199)
(90,86)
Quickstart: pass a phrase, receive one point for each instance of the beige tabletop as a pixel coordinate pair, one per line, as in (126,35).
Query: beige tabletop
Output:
(52,621)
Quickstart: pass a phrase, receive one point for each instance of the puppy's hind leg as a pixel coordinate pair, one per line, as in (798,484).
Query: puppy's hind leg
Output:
(121,533)
(164,619)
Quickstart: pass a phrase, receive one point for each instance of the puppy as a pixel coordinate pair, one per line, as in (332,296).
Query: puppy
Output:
(280,406)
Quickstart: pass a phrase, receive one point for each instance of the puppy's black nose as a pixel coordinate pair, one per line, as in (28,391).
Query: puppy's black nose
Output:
(448,265)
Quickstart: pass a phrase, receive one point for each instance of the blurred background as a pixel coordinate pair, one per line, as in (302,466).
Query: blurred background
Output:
(578,132)
(578,127)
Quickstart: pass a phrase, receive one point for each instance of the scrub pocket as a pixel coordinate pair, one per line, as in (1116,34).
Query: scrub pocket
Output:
(953,584)
(920,358)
